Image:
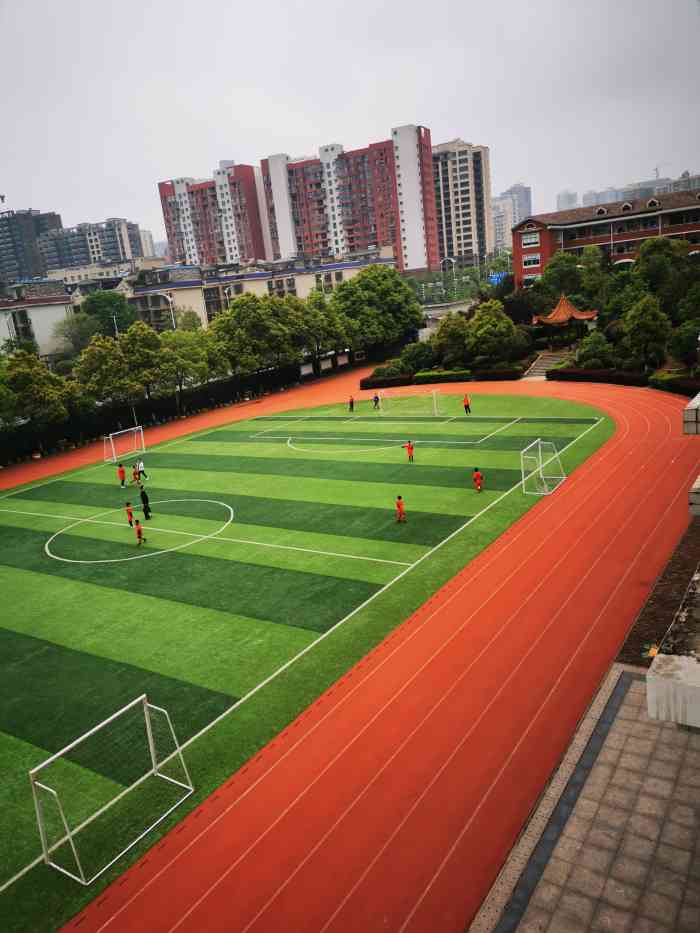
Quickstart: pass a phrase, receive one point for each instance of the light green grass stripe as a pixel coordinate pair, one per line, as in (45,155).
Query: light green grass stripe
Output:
(18,827)
(159,537)
(223,652)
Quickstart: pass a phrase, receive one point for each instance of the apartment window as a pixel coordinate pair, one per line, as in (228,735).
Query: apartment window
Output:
(530,239)
(533,259)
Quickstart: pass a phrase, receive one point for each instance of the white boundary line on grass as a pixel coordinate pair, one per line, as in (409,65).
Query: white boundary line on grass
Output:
(498,430)
(355,450)
(191,534)
(280,670)
(294,421)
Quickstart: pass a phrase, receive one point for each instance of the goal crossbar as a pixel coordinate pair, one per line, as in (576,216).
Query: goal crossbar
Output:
(429,403)
(119,445)
(71,832)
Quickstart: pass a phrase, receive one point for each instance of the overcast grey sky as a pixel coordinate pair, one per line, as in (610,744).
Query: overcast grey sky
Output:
(100,100)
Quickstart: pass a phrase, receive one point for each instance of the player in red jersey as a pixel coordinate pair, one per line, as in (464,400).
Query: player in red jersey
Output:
(467,404)
(130,514)
(121,475)
(139,533)
(408,447)
(400,510)
(477,479)
(135,475)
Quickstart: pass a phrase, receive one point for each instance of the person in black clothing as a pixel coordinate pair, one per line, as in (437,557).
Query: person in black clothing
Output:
(144,503)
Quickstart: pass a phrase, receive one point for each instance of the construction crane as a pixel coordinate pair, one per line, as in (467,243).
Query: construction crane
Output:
(657,167)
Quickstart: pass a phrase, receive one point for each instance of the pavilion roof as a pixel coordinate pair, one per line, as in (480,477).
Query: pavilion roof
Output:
(563,313)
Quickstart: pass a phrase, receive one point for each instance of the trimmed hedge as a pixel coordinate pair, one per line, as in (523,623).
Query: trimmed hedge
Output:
(615,376)
(681,385)
(441,375)
(385,382)
(486,375)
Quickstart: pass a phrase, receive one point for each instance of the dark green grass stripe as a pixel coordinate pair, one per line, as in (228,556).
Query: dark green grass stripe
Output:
(355,471)
(70,691)
(467,443)
(287,597)
(290,514)
(428,419)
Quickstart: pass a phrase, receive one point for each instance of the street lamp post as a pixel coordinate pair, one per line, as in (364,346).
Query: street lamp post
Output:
(454,279)
(170,303)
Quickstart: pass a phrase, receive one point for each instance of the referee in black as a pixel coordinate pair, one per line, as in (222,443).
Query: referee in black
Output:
(144,502)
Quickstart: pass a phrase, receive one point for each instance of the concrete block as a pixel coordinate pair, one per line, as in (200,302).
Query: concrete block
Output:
(673,689)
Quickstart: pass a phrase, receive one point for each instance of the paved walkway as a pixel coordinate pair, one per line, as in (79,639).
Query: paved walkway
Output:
(615,842)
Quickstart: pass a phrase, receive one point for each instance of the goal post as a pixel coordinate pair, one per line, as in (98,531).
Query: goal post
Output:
(99,796)
(123,444)
(541,469)
(426,405)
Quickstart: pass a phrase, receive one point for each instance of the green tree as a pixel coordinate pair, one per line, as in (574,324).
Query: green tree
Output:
(667,271)
(108,307)
(317,326)
(253,334)
(381,307)
(417,356)
(141,350)
(76,331)
(683,342)
(103,370)
(450,341)
(647,329)
(593,276)
(492,334)
(184,361)
(187,319)
(595,352)
(41,396)
(561,274)
(689,306)
(8,399)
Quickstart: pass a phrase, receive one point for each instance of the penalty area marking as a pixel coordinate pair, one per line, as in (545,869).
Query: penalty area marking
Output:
(118,560)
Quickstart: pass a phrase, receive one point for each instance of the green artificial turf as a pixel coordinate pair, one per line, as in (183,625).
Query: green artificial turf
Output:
(313,543)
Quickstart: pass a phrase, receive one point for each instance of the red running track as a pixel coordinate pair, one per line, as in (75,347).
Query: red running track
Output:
(393,801)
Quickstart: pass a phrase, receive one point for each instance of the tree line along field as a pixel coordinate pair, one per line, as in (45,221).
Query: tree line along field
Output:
(272,540)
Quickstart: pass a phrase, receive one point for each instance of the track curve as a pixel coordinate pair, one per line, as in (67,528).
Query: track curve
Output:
(392,802)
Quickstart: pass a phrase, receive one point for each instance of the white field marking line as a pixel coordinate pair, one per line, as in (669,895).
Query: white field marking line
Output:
(355,450)
(221,537)
(332,710)
(498,430)
(311,438)
(145,554)
(373,719)
(546,700)
(424,719)
(275,427)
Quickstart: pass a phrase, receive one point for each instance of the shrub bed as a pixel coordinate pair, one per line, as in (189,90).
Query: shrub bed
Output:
(615,376)
(486,375)
(441,375)
(385,382)
(682,385)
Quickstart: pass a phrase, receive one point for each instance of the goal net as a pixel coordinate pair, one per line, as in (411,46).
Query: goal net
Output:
(123,444)
(541,468)
(429,405)
(100,795)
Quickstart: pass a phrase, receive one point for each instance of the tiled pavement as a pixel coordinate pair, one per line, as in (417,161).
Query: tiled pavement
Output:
(615,842)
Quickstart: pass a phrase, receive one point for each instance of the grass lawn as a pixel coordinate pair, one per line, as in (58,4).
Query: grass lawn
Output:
(271,539)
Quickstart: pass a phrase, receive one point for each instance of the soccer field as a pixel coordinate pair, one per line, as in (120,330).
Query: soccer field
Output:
(273,562)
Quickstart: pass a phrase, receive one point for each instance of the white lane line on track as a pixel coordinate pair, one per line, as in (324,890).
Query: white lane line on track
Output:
(545,507)
(190,534)
(404,687)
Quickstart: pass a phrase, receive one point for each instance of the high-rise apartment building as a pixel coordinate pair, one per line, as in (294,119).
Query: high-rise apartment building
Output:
(520,196)
(462,187)
(115,240)
(20,256)
(567,200)
(214,220)
(503,223)
(642,189)
(341,203)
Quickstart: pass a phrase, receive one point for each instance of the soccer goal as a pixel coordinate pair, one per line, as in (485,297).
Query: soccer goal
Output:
(541,468)
(429,405)
(101,794)
(123,444)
